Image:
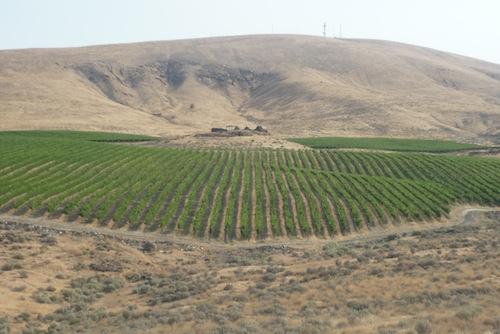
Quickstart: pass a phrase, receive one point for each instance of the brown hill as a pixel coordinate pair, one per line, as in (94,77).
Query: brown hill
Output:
(293,85)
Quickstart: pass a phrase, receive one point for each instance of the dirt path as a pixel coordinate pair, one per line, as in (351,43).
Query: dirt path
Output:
(460,215)
(306,206)
(185,190)
(131,205)
(66,184)
(315,189)
(348,215)
(253,233)
(333,213)
(152,200)
(196,207)
(225,204)
(296,158)
(237,229)
(314,161)
(209,219)
(293,206)
(280,206)
(374,217)
(322,220)
(269,229)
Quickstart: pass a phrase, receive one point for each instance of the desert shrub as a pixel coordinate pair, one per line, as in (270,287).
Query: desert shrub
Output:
(423,327)
(274,269)
(24,316)
(68,319)
(45,297)
(314,326)
(11,265)
(494,324)
(269,277)
(12,238)
(89,289)
(136,277)
(427,262)
(293,287)
(241,298)
(48,239)
(357,306)
(376,272)
(148,247)
(276,325)
(32,328)
(308,311)
(4,325)
(363,258)
(333,249)
(457,296)
(176,287)
(247,327)
(468,313)
(207,311)
(106,265)
(260,285)
(18,256)
(142,289)
(275,309)
(237,260)
(79,266)
(404,267)
(19,288)
(234,312)
(56,328)
(228,329)
(103,246)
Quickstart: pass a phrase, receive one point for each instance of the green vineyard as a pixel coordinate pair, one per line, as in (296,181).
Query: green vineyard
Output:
(232,194)
(386,144)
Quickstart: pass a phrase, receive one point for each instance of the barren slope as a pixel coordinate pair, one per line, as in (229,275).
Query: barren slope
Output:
(294,85)
(439,279)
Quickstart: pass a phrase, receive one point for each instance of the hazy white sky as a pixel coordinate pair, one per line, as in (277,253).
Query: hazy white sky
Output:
(468,27)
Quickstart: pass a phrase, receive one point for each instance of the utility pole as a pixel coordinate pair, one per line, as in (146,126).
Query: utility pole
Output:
(324,29)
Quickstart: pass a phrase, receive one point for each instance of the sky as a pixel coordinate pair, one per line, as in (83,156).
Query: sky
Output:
(467,27)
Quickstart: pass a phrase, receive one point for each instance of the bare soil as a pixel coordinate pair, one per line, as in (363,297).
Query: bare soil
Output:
(196,141)
(489,152)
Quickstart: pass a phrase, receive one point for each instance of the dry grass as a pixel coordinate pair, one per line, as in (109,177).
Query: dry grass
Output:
(438,280)
(294,85)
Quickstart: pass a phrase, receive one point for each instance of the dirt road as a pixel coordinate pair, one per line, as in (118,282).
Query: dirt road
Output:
(459,215)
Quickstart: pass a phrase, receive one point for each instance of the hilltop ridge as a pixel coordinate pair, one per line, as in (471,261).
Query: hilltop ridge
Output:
(290,84)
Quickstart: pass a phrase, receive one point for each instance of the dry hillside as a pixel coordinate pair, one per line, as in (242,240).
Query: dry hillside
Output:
(439,279)
(294,85)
